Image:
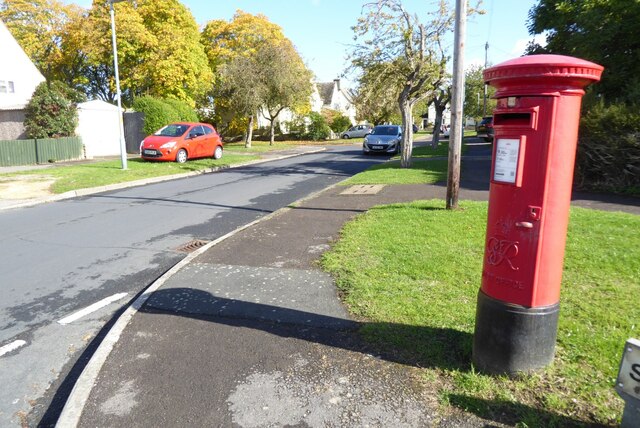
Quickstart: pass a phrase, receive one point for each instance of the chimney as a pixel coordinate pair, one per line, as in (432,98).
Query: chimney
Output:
(336,82)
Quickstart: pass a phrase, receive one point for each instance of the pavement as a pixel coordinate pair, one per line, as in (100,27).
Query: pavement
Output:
(248,331)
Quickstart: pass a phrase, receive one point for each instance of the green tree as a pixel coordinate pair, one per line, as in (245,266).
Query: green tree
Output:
(376,98)
(49,113)
(286,82)
(602,31)
(474,94)
(405,52)
(238,85)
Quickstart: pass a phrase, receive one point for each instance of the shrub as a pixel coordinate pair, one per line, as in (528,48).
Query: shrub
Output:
(340,123)
(318,128)
(608,157)
(184,110)
(158,113)
(49,113)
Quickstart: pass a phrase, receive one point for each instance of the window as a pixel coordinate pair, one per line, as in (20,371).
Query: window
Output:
(7,86)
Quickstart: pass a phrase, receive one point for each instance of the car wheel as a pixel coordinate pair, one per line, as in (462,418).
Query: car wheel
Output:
(217,153)
(181,156)
(345,136)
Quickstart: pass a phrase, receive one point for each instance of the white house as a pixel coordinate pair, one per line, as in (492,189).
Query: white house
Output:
(99,128)
(335,97)
(18,79)
(325,95)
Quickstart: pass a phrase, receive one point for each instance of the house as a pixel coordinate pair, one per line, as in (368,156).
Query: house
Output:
(328,95)
(18,79)
(333,96)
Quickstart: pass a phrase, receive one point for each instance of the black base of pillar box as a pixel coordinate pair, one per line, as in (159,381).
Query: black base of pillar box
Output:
(510,338)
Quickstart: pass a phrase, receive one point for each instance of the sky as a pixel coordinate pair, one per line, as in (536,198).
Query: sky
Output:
(321,29)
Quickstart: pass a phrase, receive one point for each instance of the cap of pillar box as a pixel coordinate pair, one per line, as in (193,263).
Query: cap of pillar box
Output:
(542,75)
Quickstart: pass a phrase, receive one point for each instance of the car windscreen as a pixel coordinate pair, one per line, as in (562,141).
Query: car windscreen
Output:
(172,131)
(385,130)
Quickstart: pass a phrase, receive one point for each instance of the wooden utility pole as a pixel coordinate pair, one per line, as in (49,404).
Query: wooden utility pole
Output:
(456,134)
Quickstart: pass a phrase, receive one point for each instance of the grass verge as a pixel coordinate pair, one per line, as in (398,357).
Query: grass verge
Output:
(416,289)
(82,176)
(421,172)
(263,146)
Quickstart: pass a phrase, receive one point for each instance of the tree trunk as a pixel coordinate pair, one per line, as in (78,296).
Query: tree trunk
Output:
(437,125)
(247,142)
(406,108)
(272,132)
(439,107)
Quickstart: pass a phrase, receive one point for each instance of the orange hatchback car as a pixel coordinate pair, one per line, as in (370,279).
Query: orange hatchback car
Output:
(181,141)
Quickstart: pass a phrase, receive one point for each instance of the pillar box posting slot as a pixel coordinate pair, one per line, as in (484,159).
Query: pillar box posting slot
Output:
(536,132)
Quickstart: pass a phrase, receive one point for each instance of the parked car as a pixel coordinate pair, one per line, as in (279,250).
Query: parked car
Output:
(181,141)
(357,131)
(383,139)
(485,128)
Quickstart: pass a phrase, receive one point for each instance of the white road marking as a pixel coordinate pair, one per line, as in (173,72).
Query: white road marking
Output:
(92,308)
(11,347)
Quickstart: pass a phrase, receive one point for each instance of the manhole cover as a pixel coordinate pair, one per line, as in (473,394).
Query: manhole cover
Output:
(363,189)
(191,246)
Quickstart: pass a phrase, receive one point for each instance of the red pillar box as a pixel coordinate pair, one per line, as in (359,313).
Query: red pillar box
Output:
(536,132)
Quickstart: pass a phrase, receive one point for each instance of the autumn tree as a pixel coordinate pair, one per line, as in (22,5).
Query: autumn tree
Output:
(406,53)
(179,67)
(223,41)
(159,51)
(39,26)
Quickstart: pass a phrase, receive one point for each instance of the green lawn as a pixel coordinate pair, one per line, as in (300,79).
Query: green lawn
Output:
(263,146)
(424,170)
(421,171)
(412,272)
(81,176)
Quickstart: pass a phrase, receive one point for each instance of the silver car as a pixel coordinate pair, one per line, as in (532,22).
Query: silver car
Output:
(383,139)
(356,131)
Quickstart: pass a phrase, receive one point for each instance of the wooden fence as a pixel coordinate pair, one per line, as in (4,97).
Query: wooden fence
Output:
(30,152)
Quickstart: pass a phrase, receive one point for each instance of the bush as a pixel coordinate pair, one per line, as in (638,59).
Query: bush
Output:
(50,114)
(608,157)
(318,128)
(184,110)
(340,123)
(158,113)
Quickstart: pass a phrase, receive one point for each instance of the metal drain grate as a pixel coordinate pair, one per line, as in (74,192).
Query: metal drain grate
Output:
(191,246)
(363,189)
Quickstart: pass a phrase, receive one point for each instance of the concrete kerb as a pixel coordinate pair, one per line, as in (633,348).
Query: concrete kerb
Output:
(100,189)
(72,411)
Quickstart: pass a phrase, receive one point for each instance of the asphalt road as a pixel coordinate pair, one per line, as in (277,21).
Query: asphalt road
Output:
(59,258)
